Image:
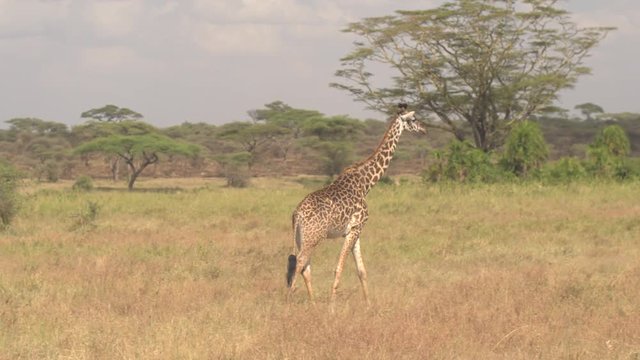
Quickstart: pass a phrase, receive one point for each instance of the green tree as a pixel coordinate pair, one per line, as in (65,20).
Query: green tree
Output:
(96,129)
(41,145)
(333,138)
(251,137)
(525,149)
(483,64)
(291,121)
(588,109)
(138,151)
(111,113)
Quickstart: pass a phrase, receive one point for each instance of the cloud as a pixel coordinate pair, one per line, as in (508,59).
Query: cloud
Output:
(253,11)
(114,18)
(261,26)
(239,39)
(30,18)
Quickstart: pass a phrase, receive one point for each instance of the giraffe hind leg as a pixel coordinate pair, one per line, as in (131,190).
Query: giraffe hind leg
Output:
(362,273)
(306,275)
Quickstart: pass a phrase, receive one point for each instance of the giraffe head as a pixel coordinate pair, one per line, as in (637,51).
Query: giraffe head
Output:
(409,122)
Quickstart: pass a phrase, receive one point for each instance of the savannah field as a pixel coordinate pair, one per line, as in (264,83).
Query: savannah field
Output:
(190,269)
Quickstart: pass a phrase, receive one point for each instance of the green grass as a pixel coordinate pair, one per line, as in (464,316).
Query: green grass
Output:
(498,272)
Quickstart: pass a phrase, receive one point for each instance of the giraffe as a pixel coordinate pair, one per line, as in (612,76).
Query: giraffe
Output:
(340,209)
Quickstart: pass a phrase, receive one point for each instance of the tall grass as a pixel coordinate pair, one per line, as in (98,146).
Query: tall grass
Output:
(497,272)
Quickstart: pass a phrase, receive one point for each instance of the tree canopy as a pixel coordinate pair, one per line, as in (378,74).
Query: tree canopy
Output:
(479,66)
(588,109)
(111,113)
(138,151)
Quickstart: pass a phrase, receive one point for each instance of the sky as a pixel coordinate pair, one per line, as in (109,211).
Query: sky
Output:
(213,60)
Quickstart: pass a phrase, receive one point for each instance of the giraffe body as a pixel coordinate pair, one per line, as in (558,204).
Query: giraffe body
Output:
(340,210)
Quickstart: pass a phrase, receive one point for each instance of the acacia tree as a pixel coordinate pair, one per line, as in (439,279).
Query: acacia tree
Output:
(46,142)
(333,138)
(479,64)
(588,109)
(137,151)
(291,122)
(111,114)
(250,136)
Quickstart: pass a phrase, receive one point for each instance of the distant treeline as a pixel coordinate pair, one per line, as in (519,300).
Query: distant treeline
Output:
(281,140)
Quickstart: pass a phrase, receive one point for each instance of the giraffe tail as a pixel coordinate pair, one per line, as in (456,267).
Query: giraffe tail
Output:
(292,261)
(291,268)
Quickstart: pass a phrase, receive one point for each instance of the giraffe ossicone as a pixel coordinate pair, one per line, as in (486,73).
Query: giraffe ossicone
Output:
(340,209)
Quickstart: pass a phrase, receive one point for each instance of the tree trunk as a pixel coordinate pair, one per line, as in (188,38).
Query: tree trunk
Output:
(148,159)
(133,177)
(115,169)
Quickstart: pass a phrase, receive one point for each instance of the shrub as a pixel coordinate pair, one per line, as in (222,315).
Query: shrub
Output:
(48,171)
(565,170)
(336,157)
(525,149)
(9,199)
(237,178)
(235,168)
(386,180)
(83,183)
(607,154)
(462,162)
(86,217)
(614,140)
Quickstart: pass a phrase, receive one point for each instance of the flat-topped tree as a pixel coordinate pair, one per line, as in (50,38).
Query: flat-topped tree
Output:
(138,151)
(111,113)
(477,66)
(589,109)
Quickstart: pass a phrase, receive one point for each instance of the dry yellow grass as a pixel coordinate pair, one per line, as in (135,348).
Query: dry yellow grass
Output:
(491,272)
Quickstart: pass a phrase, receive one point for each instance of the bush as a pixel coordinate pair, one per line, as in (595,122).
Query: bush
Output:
(9,199)
(86,217)
(462,162)
(386,180)
(336,157)
(237,178)
(565,170)
(48,171)
(614,140)
(607,155)
(235,168)
(83,183)
(525,149)
(601,163)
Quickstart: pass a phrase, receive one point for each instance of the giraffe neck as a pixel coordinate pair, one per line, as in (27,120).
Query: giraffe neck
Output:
(372,169)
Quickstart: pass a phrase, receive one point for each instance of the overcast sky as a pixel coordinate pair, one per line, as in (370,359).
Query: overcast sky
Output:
(212,60)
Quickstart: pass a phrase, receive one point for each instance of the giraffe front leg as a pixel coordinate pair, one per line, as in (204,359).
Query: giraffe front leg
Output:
(362,273)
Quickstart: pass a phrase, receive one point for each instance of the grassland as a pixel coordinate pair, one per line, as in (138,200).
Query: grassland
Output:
(191,269)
